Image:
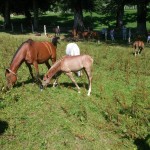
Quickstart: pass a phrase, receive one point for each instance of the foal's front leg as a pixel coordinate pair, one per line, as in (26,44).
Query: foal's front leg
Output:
(69,74)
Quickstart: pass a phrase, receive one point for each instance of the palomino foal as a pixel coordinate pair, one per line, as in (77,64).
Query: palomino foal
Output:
(69,64)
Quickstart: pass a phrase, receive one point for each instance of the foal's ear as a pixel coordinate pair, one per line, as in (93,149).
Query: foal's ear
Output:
(6,71)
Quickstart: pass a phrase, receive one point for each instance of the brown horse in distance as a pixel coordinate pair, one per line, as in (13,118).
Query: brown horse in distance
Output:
(69,64)
(32,53)
(138,47)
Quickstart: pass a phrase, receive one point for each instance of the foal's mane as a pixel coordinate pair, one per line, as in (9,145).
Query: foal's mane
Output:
(28,41)
(55,65)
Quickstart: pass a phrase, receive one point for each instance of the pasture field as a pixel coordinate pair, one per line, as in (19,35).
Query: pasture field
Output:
(115,117)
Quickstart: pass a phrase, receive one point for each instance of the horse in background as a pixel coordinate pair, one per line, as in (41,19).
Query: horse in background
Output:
(84,35)
(69,64)
(32,53)
(95,35)
(57,31)
(138,47)
(72,49)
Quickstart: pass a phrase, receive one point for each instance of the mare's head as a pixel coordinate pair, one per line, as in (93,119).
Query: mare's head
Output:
(11,78)
(55,41)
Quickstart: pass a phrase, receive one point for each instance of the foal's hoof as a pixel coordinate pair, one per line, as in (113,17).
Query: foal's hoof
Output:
(79,92)
(41,87)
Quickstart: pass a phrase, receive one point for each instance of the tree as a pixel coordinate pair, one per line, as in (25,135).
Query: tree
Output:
(24,7)
(113,8)
(141,16)
(7,13)
(36,13)
(77,6)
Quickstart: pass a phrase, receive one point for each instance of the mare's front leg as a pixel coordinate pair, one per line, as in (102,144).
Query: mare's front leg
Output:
(30,70)
(69,74)
(35,64)
(47,64)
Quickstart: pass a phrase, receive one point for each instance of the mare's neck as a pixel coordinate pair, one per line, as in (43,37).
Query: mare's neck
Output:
(17,61)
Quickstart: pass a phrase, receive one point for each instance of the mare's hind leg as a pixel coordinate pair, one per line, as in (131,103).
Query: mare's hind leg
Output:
(89,75)
(30,70)
(69,74)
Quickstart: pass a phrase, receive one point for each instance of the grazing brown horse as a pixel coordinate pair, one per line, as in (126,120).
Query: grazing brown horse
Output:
(85,35)
(69,64)
(32,53)
(138,47)
(95,35)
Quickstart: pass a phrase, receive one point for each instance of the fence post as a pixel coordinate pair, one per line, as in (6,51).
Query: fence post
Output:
(12,27)
(21,27)
(45,29)
(32,28)
(105,34)
(129,38)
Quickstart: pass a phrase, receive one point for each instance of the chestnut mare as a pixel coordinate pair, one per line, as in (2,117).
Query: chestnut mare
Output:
(138,47)
(32,53)
(69,64)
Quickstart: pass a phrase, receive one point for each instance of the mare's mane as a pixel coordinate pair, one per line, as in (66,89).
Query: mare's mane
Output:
(28,41)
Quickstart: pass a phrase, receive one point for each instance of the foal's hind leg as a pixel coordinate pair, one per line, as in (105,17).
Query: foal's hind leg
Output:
(69,74)
(89,75)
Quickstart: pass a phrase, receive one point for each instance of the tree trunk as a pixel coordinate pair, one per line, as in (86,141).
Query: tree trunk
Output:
(78,21)
(141,17)
(35,10)
(119,17)
(7,14)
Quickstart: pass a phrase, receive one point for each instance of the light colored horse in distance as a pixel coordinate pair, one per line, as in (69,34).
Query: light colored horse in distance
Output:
(138,47)
(72,49)
(69,64)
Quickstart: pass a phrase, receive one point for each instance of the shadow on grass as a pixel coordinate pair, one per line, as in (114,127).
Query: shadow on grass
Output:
(142,144)
(3,127)
(70,85)
(19,84)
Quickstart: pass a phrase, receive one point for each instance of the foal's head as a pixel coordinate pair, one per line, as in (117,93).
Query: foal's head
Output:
(11,78)
(45,80)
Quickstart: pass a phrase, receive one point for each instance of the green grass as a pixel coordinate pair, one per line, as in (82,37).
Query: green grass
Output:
(115,116)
